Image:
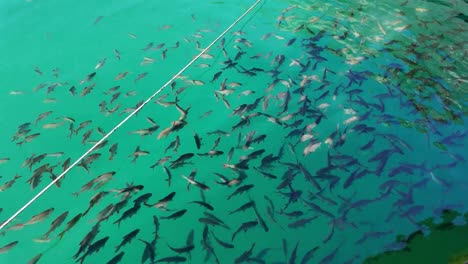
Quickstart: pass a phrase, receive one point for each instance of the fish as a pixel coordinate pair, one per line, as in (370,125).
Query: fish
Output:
(243,207)
(100,64)
(88,78)
(35,259)
(222,243)
(94,248)
(140,76)
(7,185)
(40,217)
(245,255)
(137,153)
(181,160)
(116,259)
(70,225)
(240,190)
(128,214)
(197,140)
(175,215)
(113,150)
(185,249)
(117,54)
(244,227)
(204,204)
(162,203)
(196,183)
(127,239)
(55,224)
(169,175)
(5,249)
(149,251)
(95,200)
(172,259)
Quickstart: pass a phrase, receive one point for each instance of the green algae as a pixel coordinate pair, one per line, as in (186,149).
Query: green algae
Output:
(445,243)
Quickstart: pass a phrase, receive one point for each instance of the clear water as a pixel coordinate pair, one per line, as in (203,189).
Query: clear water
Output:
(409,56)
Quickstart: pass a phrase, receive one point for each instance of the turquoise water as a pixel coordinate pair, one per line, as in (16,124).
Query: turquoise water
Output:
(361,79)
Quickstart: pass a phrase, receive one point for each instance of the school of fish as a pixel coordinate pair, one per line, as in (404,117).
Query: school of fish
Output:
(300,139)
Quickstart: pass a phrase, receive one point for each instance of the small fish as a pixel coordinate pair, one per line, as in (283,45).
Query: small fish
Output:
(95,247)
(121,75)
(98,19)
(116,259)
(175,215)
(8,247)
(140,76)
(117,54)
(197,184)
(100,63)
(162,204)
(128,214)
(55,224)
(137,153)
(173,259)
(149,251)
(7,185)
(197,140)
(113,151)
(40,217)
(88,78)
(70,224)
(35,259)
(244,227)
(37,70)
(127,239)
(204,204)
(241,190)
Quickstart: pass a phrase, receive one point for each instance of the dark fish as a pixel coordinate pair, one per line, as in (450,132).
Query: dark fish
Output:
(128,214)
(142,199)
(127,239)
(56,223)
(94,200)
(88,78)
(222,243)
(243,207)
(162,204)
(174,259)
(301,222)
(35,259)
(244,227)
(149,251)
(181,250)
(95,247)
(87,240)
(309,255)
(116,259)
(169,175)
(204,204)
(197,140)
(292,258)
(70,224)
(175,215)
(241,190)
(260,219)
(245,256)
(216,76)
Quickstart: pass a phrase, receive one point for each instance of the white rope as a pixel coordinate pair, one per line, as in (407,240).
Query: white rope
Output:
(126,118)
